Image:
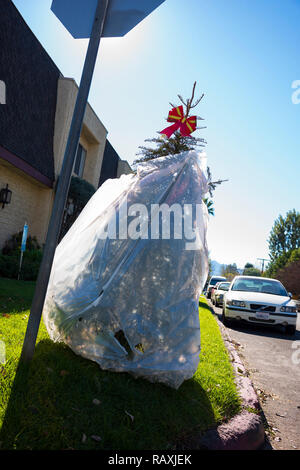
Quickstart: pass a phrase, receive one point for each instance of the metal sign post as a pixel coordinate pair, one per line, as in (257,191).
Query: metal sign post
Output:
(63,185)
(83,18)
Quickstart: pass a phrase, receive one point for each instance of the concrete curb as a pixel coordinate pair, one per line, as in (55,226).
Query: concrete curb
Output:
(244,431)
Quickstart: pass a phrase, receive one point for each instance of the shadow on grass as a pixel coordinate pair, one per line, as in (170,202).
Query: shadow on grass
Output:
(15,296)
(51,407)
(204,304)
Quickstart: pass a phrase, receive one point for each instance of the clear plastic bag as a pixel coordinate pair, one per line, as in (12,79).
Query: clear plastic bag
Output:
(130,301)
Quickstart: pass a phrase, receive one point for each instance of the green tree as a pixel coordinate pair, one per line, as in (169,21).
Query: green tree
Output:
(210,268)
(285,235)
(209,204)
(250,270)
(248,265)
(294,256)
(80,192)
(177,144)
(229,271)
(172,146)
(284,260)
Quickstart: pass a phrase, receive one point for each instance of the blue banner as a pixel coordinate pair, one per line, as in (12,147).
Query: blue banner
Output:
(24,238)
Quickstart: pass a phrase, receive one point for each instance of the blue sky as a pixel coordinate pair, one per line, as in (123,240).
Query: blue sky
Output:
(244,55)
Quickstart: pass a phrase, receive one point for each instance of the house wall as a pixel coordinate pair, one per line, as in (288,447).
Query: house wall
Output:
(123,168)
(35,123)
(110,164)
(93,135)
(31,202)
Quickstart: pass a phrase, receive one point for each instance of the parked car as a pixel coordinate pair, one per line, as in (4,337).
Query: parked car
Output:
(259,300)
(218,291)
(211,284)
(213,290)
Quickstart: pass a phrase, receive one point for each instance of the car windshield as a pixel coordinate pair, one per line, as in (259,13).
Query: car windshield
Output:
(224,286)
(259,285)
(215,281)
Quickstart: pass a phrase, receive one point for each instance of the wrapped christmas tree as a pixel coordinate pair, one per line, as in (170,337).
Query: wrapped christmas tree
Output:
(126,279)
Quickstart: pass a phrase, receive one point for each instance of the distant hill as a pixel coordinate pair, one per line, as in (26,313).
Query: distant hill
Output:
(217,268)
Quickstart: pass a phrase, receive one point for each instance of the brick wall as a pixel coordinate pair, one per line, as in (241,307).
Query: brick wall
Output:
(31,202)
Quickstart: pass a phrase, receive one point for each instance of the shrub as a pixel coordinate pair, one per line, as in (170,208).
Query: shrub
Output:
(282,261)
(80,193)
(9,265)
(290,277)
(251,272)
(10,258)
(14,244)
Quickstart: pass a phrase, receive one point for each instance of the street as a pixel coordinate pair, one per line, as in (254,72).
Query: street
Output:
(273,361)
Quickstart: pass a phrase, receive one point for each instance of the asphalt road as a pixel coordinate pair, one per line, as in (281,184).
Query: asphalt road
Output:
(273,361)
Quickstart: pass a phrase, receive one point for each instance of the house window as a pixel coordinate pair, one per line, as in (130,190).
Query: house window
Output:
(80,161)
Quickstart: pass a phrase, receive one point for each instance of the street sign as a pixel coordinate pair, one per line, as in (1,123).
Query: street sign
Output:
(122,15)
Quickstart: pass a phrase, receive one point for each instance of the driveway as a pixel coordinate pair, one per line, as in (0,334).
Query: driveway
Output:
(273,361)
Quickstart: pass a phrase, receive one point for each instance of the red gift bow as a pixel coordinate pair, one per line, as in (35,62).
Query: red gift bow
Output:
(186,125)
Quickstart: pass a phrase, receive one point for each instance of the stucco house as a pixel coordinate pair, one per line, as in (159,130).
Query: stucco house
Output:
(34,126)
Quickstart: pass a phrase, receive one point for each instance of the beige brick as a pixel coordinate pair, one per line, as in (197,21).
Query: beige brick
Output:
(31,202)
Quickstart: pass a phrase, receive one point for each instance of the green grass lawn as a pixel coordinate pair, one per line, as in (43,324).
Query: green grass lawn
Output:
(50,406)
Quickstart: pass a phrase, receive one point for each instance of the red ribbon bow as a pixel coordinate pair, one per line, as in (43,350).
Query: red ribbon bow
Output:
(186,125)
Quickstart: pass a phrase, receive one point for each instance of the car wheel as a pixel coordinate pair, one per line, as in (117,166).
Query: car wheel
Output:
(290,330)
